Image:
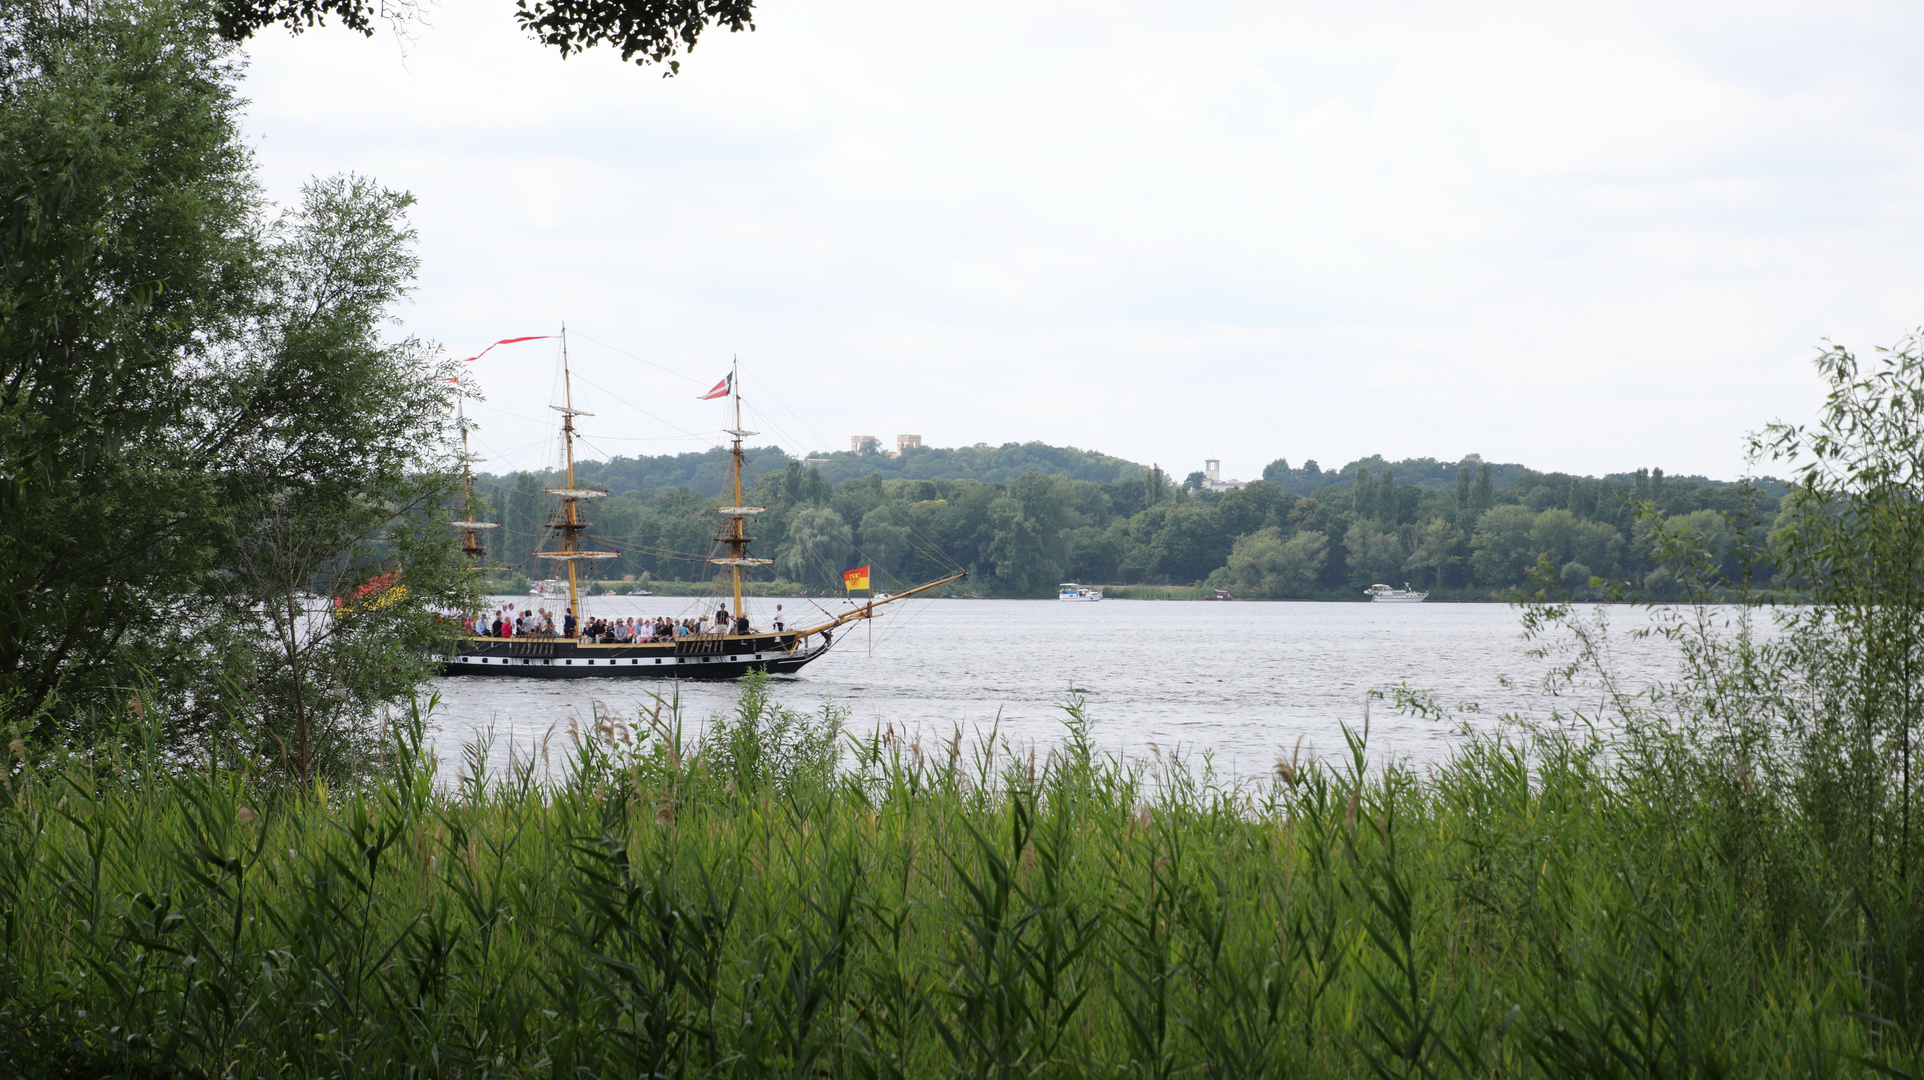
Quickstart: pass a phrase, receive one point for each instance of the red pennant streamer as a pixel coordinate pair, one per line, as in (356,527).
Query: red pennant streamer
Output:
(509,341)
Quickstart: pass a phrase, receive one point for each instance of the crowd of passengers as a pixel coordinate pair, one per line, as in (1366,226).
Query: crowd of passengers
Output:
(540,622)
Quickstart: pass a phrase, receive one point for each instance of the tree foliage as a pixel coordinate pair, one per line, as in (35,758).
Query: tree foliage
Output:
(1855,543)
(202,428)
(643,31)
(1019,536)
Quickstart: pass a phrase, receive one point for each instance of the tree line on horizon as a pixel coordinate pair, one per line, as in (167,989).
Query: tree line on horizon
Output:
(1468,528)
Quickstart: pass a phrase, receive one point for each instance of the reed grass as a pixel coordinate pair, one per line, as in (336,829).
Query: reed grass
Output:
(768,902)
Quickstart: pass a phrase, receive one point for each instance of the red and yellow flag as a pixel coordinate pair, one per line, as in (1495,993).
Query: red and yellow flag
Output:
(855,579)
(376,593)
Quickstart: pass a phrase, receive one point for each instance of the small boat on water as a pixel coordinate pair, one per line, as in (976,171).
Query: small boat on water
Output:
(1219,594)
(1075,593)
(573,653)
(551,588)
(1383,594)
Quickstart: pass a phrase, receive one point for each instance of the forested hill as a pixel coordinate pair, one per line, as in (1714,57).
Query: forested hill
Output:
(1426,472)
(1071,515)
(706,472)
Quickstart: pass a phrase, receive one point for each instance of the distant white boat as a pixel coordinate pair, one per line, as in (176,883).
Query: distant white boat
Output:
(1383,594)
(1069,590)
(550,588)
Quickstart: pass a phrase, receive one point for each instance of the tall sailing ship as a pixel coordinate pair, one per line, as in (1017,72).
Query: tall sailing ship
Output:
(570,655)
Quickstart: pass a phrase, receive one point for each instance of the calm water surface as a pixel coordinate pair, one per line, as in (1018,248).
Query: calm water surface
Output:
(1243,681)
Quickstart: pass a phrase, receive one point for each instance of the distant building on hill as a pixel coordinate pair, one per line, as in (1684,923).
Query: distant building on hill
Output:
(907,442)
(1213,477)
(864,444)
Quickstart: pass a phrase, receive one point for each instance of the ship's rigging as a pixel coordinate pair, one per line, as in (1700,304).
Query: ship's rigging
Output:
(725,653)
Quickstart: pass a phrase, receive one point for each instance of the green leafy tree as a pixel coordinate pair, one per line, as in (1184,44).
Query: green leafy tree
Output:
(1385,508)
(1156,486)
(1265,565)
(1252,507)
(818,548)
(1598,545)
(1019,550)
(1095,555)
(1856,543)
(132,221)
(1375,555)
(522,532)
(680,528)
(1188,545)
(1483,493)
(200,424)
(643,31)
(1554,533)
(343,488)
(886,537)
(1438,553)
(1501,550)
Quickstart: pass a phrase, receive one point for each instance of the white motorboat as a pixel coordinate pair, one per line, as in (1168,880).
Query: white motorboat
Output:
(1069,590)
(1383,594)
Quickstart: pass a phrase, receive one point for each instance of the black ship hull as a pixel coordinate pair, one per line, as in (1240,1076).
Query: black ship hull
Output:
(687,658)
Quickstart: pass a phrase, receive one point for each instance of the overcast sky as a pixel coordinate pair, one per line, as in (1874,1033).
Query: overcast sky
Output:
(1587,237)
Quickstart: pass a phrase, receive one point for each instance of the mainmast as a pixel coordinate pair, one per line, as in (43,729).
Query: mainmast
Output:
(569,523)
(468,525)
(735,532)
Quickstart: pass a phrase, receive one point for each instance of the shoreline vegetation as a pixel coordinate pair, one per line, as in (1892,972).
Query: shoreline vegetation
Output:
(1299,533)
(1109,592)
(782,898)
(962,591)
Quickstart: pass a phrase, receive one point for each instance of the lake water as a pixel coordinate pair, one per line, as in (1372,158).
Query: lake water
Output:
(1243,681)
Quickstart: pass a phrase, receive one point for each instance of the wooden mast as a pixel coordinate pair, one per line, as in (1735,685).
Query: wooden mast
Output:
(571,523)
(735,477)
(568,504)
(735,533)
(468,525)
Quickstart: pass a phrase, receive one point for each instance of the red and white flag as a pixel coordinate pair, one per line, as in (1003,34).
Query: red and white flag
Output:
(509,341)
(721,389)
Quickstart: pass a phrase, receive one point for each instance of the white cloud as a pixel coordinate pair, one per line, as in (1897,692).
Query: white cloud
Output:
(1583,236)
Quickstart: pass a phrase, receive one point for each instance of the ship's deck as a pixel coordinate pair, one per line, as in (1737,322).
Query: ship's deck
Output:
(692,657)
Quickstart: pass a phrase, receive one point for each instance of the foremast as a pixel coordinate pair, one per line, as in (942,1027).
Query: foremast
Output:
(568,523)
(470,543)
(735,517)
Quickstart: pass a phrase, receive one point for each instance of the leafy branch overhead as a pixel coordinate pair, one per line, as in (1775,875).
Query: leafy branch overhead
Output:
(644,30)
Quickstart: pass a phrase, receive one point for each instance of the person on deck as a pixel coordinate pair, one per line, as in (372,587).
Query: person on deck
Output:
(741,624)
(780,623)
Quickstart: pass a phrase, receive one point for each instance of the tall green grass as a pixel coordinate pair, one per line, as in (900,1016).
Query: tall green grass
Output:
(767,902)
